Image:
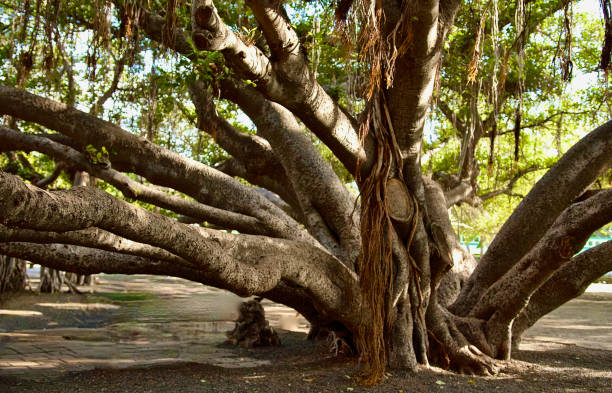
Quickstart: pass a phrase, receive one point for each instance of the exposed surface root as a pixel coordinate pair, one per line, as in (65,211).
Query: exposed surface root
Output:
(252,329)
(450,348)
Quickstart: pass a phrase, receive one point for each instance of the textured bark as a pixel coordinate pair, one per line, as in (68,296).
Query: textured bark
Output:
(13,275)
(306,258)
(158,165)
(244,264)
(286,80)
(562,184)
(15,140)
(90,237)
(327,205)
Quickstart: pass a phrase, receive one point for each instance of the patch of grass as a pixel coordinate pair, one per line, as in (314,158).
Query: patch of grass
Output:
(127,297)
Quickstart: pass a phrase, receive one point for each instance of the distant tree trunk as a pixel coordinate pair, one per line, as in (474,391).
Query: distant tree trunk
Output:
(13,276)
(51,280)
(80,179)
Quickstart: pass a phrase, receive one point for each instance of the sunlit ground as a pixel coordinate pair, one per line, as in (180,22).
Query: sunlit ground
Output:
(142,320)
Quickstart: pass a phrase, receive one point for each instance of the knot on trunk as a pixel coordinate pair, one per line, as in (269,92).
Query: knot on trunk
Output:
(252,329)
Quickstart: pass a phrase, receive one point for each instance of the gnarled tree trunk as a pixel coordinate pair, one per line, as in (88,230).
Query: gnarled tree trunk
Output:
(385,272)
(13,274)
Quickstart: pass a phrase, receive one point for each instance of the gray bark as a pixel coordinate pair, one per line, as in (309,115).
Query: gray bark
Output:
(13,274)
(565,284)
(244,264)
(562,184)
(158,165)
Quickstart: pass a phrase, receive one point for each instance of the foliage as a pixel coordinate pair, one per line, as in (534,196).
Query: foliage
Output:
(151,98)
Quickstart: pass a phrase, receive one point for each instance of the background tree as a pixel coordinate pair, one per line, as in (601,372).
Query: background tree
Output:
(305,105)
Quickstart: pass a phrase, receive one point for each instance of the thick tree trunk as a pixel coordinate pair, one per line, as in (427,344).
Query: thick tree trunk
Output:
(13,274)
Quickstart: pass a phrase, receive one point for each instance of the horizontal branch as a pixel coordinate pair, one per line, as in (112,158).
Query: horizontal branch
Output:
(91,238)
(502,302)
(15,140)
(243,264)
(84,260)
(567,283)
(160,166)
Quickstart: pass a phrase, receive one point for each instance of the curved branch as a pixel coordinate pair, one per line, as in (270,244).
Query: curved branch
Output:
(565,181)
(243,264)
(464,191)
(43,183)
(287,81)
(91,238)
(273,20)
(508,188)
(237,168)
(505,299)
(320,192)
(84,260)
(253,151)
(99,104)
(566,284)
(158,165)
(130,188)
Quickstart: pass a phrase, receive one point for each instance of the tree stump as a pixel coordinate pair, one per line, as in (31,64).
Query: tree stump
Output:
(252,329)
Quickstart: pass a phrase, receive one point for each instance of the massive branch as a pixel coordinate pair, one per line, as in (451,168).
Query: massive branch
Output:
(160,166)
(566,284)
(561,185)
(286,80)
(505,299)
(15,140)
(328,206)
(243,264)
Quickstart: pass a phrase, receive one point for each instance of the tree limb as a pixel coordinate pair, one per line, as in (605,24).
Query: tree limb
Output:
(287,81)
(320,192)
(243,264)
(131,188)
(565,284)
(565,181)
(91,238)
(157,164)
(503,301)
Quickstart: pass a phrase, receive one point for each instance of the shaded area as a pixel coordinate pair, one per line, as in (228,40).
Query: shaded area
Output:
(141,333)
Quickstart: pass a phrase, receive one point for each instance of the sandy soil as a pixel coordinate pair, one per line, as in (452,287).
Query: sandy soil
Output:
(141,313)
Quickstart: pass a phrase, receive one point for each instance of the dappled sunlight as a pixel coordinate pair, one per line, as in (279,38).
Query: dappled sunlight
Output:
(16,335)
(80,306)
(21,313)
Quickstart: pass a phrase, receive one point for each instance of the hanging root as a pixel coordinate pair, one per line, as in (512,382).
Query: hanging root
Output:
(375,268)
(382,42)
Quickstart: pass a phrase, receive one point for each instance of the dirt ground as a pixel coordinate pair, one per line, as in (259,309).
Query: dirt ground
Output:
(143,334)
